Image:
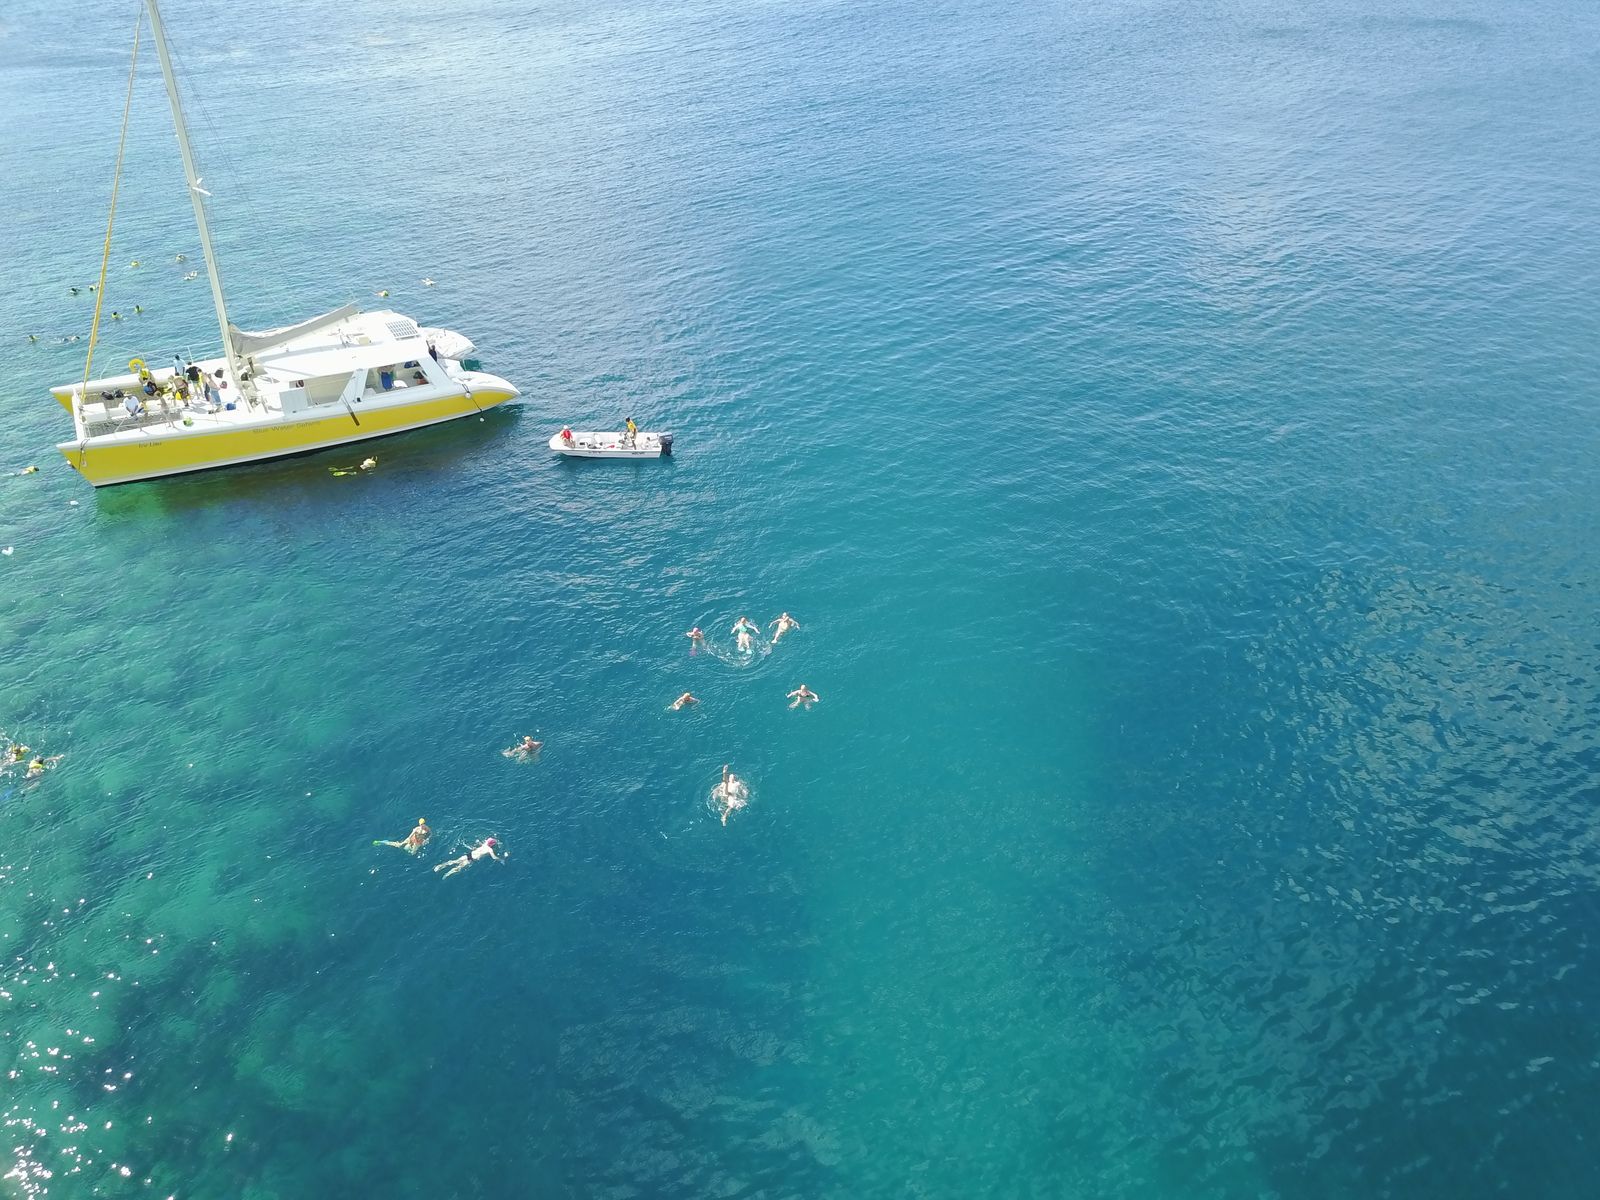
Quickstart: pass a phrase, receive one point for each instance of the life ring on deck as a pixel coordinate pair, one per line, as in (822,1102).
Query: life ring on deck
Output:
(136,365)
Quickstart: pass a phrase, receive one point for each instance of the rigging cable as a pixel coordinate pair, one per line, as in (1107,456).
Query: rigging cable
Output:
(116,183)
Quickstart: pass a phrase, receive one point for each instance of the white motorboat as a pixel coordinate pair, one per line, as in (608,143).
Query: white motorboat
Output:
(584,444)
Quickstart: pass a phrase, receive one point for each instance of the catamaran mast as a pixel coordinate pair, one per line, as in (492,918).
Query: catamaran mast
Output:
(196,193)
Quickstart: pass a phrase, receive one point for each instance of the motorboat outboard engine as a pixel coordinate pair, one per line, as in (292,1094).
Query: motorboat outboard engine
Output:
(666,444)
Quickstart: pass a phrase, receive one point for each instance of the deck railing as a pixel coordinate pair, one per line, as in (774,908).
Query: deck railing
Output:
(101,417)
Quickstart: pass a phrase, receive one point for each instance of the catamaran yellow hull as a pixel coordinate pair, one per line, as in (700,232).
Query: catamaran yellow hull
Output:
(175,450)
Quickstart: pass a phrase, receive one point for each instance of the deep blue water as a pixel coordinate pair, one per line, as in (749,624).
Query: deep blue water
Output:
(1173,426)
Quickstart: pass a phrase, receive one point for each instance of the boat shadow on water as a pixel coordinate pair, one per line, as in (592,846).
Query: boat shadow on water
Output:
(641,466)
(310,476)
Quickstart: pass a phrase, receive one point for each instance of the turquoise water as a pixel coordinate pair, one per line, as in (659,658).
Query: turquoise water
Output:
(1173,427)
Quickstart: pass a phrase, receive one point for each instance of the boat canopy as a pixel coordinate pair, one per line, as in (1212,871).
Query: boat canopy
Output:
(343,360)
(254,343)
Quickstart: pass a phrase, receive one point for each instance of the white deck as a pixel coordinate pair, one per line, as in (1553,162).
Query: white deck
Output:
(340,367)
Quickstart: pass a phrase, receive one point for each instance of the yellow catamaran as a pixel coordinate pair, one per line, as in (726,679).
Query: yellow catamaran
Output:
(342,377)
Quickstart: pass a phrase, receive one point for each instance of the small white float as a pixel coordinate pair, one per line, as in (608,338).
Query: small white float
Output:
(584,444)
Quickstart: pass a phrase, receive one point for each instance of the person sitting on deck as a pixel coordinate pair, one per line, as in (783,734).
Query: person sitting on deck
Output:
(134,405)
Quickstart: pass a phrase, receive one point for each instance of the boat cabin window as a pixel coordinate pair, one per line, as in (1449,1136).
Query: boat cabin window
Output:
(325,389)
(397,375)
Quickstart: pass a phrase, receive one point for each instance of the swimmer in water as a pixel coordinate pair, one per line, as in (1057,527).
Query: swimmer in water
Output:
(742,629)
(682,701)
(730,795)
(16,752)
(481,851)
(697,636)
(803,695)
(40,765)
(415,840)
(524,750)
(784,623)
